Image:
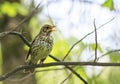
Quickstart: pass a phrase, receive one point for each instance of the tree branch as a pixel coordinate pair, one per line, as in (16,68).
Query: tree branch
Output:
(95,42)
(3,34)
(84,38)
(69,76)
(109,52)
(5,76)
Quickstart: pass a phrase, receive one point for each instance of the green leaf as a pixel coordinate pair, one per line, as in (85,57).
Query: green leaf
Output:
(109,4)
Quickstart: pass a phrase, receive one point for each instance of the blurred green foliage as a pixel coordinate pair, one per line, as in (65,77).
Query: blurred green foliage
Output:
(12,9)
(61,46)
(115,57)
(114,74)
(109,4)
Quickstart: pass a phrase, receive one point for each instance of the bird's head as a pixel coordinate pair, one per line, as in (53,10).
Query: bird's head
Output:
(47,29)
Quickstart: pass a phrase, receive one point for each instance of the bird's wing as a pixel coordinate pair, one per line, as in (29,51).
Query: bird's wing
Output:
(29,52)
(27,57)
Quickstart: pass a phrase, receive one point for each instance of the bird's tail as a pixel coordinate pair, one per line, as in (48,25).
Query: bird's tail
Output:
(30,70)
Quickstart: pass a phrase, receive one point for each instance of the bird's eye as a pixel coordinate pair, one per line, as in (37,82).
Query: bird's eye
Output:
(47,27)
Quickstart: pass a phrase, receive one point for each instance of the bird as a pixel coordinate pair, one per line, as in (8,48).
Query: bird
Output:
(40,47)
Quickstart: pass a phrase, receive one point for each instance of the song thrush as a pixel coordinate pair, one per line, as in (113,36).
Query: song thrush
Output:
(40,47)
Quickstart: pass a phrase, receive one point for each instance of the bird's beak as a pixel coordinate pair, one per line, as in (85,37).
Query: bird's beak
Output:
(52,28)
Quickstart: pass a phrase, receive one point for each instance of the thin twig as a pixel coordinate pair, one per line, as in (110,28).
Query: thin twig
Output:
(29,16)
(109,52)
(66,78)
(84,38)
(95,42)
(18,25)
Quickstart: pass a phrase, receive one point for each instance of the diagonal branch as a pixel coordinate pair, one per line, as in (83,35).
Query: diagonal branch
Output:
(109,52)
(69,76)
(29,16)
(84,38)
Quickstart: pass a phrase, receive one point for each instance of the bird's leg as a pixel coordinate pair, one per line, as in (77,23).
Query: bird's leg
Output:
(42,60)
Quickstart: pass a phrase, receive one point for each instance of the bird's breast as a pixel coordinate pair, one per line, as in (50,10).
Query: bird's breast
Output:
(42,46)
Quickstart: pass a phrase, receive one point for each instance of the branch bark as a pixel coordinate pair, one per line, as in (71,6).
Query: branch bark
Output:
(5,76)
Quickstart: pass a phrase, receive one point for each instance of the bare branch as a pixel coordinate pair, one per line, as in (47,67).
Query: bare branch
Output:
(3,34)
(84,38)
(66,78)
(109,52)
(95,42)
(22,67)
